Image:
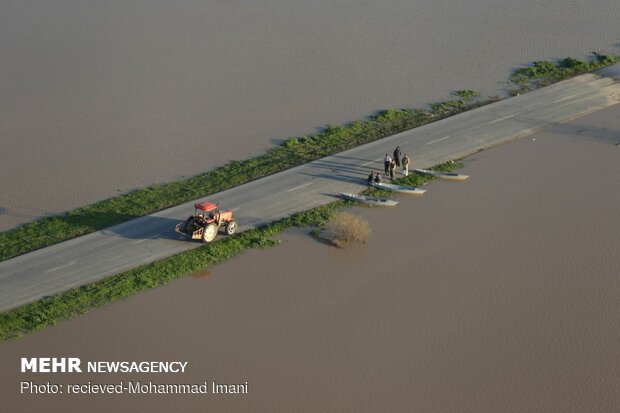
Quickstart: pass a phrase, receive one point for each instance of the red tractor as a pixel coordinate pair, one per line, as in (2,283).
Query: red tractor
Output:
(206,222)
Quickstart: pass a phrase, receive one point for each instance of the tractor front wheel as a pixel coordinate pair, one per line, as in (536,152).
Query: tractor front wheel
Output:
(231,227)
(209,233)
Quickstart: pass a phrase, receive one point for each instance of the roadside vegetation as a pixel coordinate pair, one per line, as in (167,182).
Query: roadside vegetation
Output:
(68,304)
(414,179)
(542,73)
(346,227)
(294,151)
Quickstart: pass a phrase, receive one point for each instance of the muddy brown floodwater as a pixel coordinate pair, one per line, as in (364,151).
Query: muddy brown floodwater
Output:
(498,294)
(101,97)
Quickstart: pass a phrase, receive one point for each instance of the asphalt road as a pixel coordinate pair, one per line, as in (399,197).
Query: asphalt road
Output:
(95,256)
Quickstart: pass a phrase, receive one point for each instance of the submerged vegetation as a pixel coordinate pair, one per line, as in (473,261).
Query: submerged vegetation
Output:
(414,179)
(294,151)
(542,73)
(345,227)
(50,310)
(68,304)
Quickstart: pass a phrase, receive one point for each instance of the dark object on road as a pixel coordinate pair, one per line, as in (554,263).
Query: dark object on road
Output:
(205,225)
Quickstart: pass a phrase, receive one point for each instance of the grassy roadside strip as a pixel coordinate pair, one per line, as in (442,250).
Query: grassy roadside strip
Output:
(295,151)
(414,179)
(68,304)
(542,73)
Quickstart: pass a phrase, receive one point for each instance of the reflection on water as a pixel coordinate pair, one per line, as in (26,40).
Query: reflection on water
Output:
(199,275)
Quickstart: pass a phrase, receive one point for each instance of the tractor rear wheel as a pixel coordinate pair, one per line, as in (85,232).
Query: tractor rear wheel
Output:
(209,233)
(231,227)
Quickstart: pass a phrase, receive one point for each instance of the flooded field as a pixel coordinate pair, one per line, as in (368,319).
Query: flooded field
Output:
(98,98)
(496,294)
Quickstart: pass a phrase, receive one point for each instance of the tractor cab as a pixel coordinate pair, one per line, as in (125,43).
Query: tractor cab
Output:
(208,210)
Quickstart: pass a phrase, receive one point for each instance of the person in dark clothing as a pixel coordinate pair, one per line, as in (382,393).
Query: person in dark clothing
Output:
(397,154)
(377,178)
(371,177)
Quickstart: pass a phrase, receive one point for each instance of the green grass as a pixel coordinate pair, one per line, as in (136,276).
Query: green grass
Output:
(294,151)
(68,304)
(543,73)
(413,179)
(466,94)
(51,310)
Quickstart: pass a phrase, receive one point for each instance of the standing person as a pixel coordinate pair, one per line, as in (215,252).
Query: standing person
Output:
(406,161)
(397,154)
(386,164)
(392,169)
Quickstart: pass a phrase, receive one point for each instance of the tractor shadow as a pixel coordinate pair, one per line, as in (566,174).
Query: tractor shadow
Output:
(147,227)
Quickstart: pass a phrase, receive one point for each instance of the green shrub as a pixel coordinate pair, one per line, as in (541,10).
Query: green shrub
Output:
(543,73)
(346,227)
(466,94)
